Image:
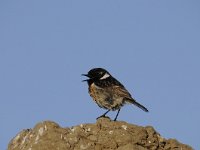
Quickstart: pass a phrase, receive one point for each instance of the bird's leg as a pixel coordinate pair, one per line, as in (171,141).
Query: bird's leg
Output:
(103,114)
(117,115)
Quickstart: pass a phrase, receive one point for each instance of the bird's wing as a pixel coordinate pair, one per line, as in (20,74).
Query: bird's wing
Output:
(121,91)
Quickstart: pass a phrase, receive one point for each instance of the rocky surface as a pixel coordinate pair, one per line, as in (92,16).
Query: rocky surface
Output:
(102,135)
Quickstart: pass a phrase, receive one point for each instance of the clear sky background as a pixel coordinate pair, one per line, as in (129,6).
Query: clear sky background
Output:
(152,47)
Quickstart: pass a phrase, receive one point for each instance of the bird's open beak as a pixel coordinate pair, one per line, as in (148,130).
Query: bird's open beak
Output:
(86,76)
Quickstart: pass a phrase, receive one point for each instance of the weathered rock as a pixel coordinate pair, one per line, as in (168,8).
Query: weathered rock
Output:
(103,135)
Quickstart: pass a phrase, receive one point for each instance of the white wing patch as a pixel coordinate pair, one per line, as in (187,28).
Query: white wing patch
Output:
(105,76)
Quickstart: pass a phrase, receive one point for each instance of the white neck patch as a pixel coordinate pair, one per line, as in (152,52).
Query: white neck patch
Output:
(105,76)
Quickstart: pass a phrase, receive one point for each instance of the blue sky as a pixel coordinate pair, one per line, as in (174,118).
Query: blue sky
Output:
(152,47)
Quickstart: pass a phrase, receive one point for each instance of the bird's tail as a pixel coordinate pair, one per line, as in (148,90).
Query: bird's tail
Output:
(132,101)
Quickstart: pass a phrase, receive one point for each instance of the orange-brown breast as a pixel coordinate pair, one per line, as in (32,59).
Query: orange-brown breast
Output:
(105,97)
(93,92)
(100,96)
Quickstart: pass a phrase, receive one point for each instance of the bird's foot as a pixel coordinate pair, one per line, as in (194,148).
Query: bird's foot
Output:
(102,116)
(115,119)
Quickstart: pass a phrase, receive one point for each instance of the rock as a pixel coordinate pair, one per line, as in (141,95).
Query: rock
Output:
(102,135)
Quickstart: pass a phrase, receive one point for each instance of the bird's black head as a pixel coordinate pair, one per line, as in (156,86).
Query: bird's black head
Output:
(96,74)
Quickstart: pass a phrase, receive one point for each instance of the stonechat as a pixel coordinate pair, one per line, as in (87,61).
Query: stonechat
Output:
(108,92)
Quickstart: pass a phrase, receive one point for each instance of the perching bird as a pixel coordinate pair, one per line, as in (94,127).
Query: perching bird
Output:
(107,92)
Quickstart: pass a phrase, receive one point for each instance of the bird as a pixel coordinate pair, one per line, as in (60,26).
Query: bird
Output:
(108,92)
